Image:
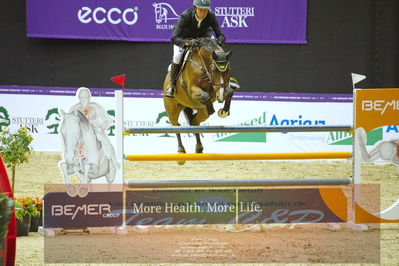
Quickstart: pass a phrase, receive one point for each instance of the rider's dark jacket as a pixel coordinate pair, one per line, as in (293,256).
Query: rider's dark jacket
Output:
(186,27)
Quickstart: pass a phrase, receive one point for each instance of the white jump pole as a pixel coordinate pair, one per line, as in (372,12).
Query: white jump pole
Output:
(357,161)
(119,129)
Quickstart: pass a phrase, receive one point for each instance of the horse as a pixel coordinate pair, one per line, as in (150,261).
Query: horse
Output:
(82,153)
(204,77)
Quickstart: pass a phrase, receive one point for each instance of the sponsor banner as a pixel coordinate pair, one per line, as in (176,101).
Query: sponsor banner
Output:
(97,209)
(37,109)
(376,108)
(229,206)
(180,207)
(242,21)
(377,112)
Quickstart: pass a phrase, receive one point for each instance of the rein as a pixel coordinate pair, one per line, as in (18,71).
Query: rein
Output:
(207,72)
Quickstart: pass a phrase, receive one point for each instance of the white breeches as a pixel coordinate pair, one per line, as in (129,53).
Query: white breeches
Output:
(177,54)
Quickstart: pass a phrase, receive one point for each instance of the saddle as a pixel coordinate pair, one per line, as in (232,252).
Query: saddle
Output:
(186,57)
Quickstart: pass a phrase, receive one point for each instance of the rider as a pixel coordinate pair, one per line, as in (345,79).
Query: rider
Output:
(98,118)
(194,22)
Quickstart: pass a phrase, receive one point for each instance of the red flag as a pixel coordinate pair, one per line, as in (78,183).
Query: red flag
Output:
(119,79)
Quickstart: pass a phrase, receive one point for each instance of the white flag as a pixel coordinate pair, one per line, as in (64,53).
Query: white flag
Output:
(356,78)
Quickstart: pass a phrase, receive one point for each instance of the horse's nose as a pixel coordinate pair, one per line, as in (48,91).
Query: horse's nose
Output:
(220,95)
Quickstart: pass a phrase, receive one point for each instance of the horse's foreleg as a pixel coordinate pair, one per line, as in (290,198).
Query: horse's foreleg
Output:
(180,148)
(225,111)
(199,117)
(190,118)
(173,110)
(84,182)
(209,108)
(64,172)
(198,147)
(70,188)
(197,94)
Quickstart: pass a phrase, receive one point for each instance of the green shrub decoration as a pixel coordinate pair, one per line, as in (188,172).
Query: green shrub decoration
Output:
(15,148)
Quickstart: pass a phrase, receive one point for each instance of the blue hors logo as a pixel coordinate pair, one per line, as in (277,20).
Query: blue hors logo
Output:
(164,12)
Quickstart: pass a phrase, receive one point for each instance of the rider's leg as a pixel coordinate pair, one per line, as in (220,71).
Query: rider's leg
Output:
(174,71)
(108,148)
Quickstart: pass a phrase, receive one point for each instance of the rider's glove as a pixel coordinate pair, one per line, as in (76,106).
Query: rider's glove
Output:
(192,43)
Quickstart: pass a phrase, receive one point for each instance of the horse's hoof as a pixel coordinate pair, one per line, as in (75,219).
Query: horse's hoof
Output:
(71,190)
(223,114)
(110,178)
(199,148)
(181,150)
(83,191)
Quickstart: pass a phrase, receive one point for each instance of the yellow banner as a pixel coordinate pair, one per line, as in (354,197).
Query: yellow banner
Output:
(376,108)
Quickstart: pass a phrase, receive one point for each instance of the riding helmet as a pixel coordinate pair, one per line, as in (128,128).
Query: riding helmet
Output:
(202,3)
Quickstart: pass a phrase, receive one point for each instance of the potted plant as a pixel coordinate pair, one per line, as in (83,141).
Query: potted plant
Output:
(24,210)
(37,220)
(6,205)
(15,148)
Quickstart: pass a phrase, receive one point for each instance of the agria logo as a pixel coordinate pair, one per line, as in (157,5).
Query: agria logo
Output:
(346,138)
(245,137)
(4,118)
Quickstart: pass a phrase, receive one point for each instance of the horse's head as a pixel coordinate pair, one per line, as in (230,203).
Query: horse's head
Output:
(220,73)
(219,66)
(70,134)
(157,9)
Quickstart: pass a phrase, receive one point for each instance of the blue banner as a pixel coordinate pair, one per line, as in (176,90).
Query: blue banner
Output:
(241,21)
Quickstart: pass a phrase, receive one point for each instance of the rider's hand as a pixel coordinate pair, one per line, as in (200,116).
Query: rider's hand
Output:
(192,43)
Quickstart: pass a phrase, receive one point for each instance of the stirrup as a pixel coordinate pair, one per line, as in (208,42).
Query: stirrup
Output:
(170,92)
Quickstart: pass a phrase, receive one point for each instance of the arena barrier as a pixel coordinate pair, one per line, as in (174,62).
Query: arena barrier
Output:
(236,129)
(240,183)
(391,214)
(237,156)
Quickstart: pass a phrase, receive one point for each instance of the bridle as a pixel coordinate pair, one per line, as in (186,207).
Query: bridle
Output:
(208,73)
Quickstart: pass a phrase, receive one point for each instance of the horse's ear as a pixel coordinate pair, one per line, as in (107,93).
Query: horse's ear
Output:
(229,54)
(61,112)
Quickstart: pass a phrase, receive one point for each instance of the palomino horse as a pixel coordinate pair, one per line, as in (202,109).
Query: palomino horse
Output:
(82,153)
(204,77)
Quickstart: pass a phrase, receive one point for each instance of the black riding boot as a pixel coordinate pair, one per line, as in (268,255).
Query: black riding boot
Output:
(174,71)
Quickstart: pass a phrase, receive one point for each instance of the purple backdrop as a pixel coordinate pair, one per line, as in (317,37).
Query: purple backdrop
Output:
(242,21)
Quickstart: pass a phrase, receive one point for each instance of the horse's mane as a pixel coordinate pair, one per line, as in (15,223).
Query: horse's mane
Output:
(84,122)
(210,45)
